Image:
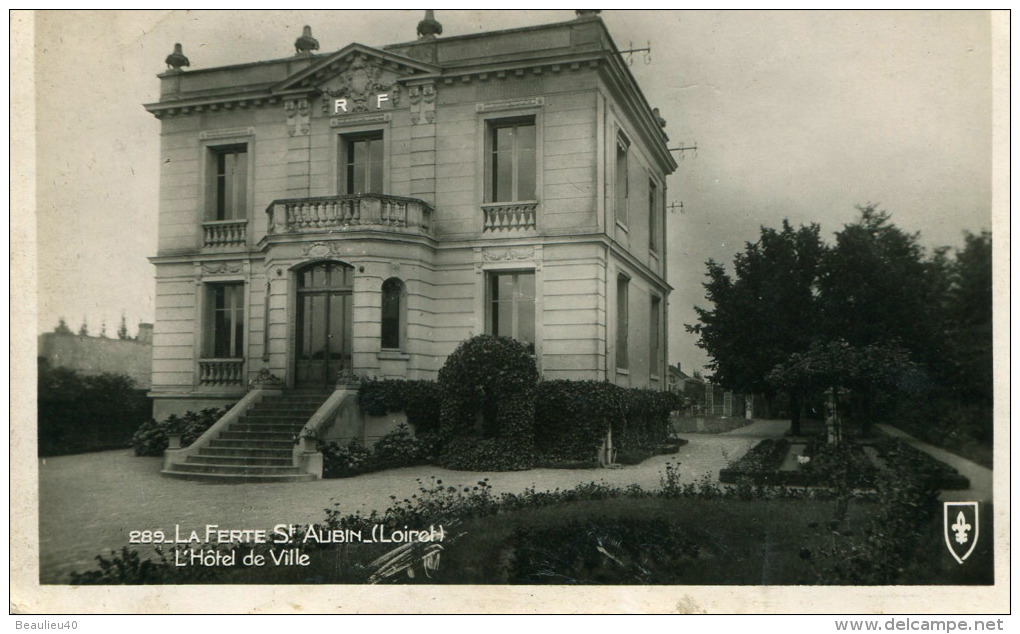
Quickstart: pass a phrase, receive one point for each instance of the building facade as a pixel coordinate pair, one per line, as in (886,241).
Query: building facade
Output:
(367,210)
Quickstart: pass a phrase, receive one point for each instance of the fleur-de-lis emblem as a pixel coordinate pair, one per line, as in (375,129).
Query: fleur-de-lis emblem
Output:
(961,527)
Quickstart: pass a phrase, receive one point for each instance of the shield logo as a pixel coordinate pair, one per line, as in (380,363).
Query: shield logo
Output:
(960,526)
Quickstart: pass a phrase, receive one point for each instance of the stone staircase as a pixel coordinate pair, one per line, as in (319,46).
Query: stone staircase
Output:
(258,447)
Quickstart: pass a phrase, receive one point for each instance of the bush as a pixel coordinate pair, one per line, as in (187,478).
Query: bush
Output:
(80,413)
(572,418)
(419,400)
(490,380)
(344,461)
(152,438)
(394,450)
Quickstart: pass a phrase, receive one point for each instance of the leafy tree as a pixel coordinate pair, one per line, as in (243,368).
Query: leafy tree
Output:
(122,331)
(102,329)
(969,313)
(83,331)
(62,328)
(837,366)
(765,312)
(876,285)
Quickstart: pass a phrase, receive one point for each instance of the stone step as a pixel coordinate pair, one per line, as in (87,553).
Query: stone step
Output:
(264,427)
(235,478)
(241,460)
(247,443)
(253,452)
(271,418)
(304,407)
(240,469)
(261,435)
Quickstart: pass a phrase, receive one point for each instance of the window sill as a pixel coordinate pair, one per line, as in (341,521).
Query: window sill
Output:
(653,377)
(393,355)
(624,371)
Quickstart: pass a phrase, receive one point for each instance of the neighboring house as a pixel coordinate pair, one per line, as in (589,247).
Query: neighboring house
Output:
(99,355)
(367,210)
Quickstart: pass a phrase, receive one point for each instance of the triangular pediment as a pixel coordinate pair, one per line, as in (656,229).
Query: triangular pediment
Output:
(357,69)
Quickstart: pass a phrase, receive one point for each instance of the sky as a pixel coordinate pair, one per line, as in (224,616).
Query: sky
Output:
(798,115)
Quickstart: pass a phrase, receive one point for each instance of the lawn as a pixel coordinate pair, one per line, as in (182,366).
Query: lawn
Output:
(641,540)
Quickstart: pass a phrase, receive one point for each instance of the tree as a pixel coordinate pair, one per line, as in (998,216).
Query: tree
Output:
(839,367)
(83,331)
(62,328)
(102,329)
(969,319)
(122,331)
(875,285)
(764,313)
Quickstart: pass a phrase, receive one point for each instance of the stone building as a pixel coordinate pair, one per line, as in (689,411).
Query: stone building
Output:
(367,210)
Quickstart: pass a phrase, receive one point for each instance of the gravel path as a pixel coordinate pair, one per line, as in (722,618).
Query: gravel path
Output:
(89,502)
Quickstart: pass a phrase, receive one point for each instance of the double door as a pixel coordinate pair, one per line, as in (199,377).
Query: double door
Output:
(324,338)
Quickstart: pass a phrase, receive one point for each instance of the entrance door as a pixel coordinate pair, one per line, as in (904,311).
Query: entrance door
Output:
(324,310)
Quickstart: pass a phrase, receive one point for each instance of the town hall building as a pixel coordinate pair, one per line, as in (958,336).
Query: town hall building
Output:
(364,211)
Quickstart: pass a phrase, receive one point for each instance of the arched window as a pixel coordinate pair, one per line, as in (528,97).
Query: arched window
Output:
(392,314)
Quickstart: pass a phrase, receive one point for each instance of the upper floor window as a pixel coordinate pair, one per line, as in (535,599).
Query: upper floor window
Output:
(622,178)
(228,189)
(512,305)
(654,345)
(363,163)
(510,160)
(653,217)
(225,314)
(392,314)
(622,321)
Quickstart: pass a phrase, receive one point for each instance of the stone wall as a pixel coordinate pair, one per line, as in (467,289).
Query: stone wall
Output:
(98,355)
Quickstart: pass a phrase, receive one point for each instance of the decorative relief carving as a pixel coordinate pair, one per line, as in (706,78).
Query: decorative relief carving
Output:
(321,249)
(511,104)
(226,133)
(423,103)
(508,254)
(219,268)
(358,83)
(382,117)
(298,117)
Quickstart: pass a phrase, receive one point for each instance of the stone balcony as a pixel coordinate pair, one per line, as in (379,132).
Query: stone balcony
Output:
(375,212)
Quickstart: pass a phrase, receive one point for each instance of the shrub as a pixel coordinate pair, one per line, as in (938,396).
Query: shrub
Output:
(80,413)
(572,418)
(344,461)
(494,377)
(397,449)
(419,400)
(152,437)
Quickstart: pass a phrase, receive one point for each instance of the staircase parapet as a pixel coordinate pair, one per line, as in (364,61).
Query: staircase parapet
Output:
(341,405)
(255,396)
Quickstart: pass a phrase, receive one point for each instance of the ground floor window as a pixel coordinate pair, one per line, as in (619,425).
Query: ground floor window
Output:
(511,310)
(622,322)
(392,314)
(226,321)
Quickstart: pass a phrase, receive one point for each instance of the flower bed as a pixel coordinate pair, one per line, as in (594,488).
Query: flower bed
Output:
(837,465)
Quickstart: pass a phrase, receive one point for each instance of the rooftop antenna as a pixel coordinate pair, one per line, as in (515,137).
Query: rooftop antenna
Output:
(685,148)
(630,53)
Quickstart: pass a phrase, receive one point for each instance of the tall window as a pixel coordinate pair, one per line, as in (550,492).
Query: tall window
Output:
(622,179)
(622,321)
(392,313)
(363,163)
(512,305)
(653,337)
(653,217)
(510,160)
(226,313)
(229,183)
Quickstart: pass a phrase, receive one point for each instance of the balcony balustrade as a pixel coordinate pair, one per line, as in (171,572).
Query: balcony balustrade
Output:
(225,233)
(358,211)
(221,372)
(509,216)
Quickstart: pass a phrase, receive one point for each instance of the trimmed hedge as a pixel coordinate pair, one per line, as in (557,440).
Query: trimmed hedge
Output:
(491,381)
(419,400)
(572,418)
(80,413)
(153,437)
